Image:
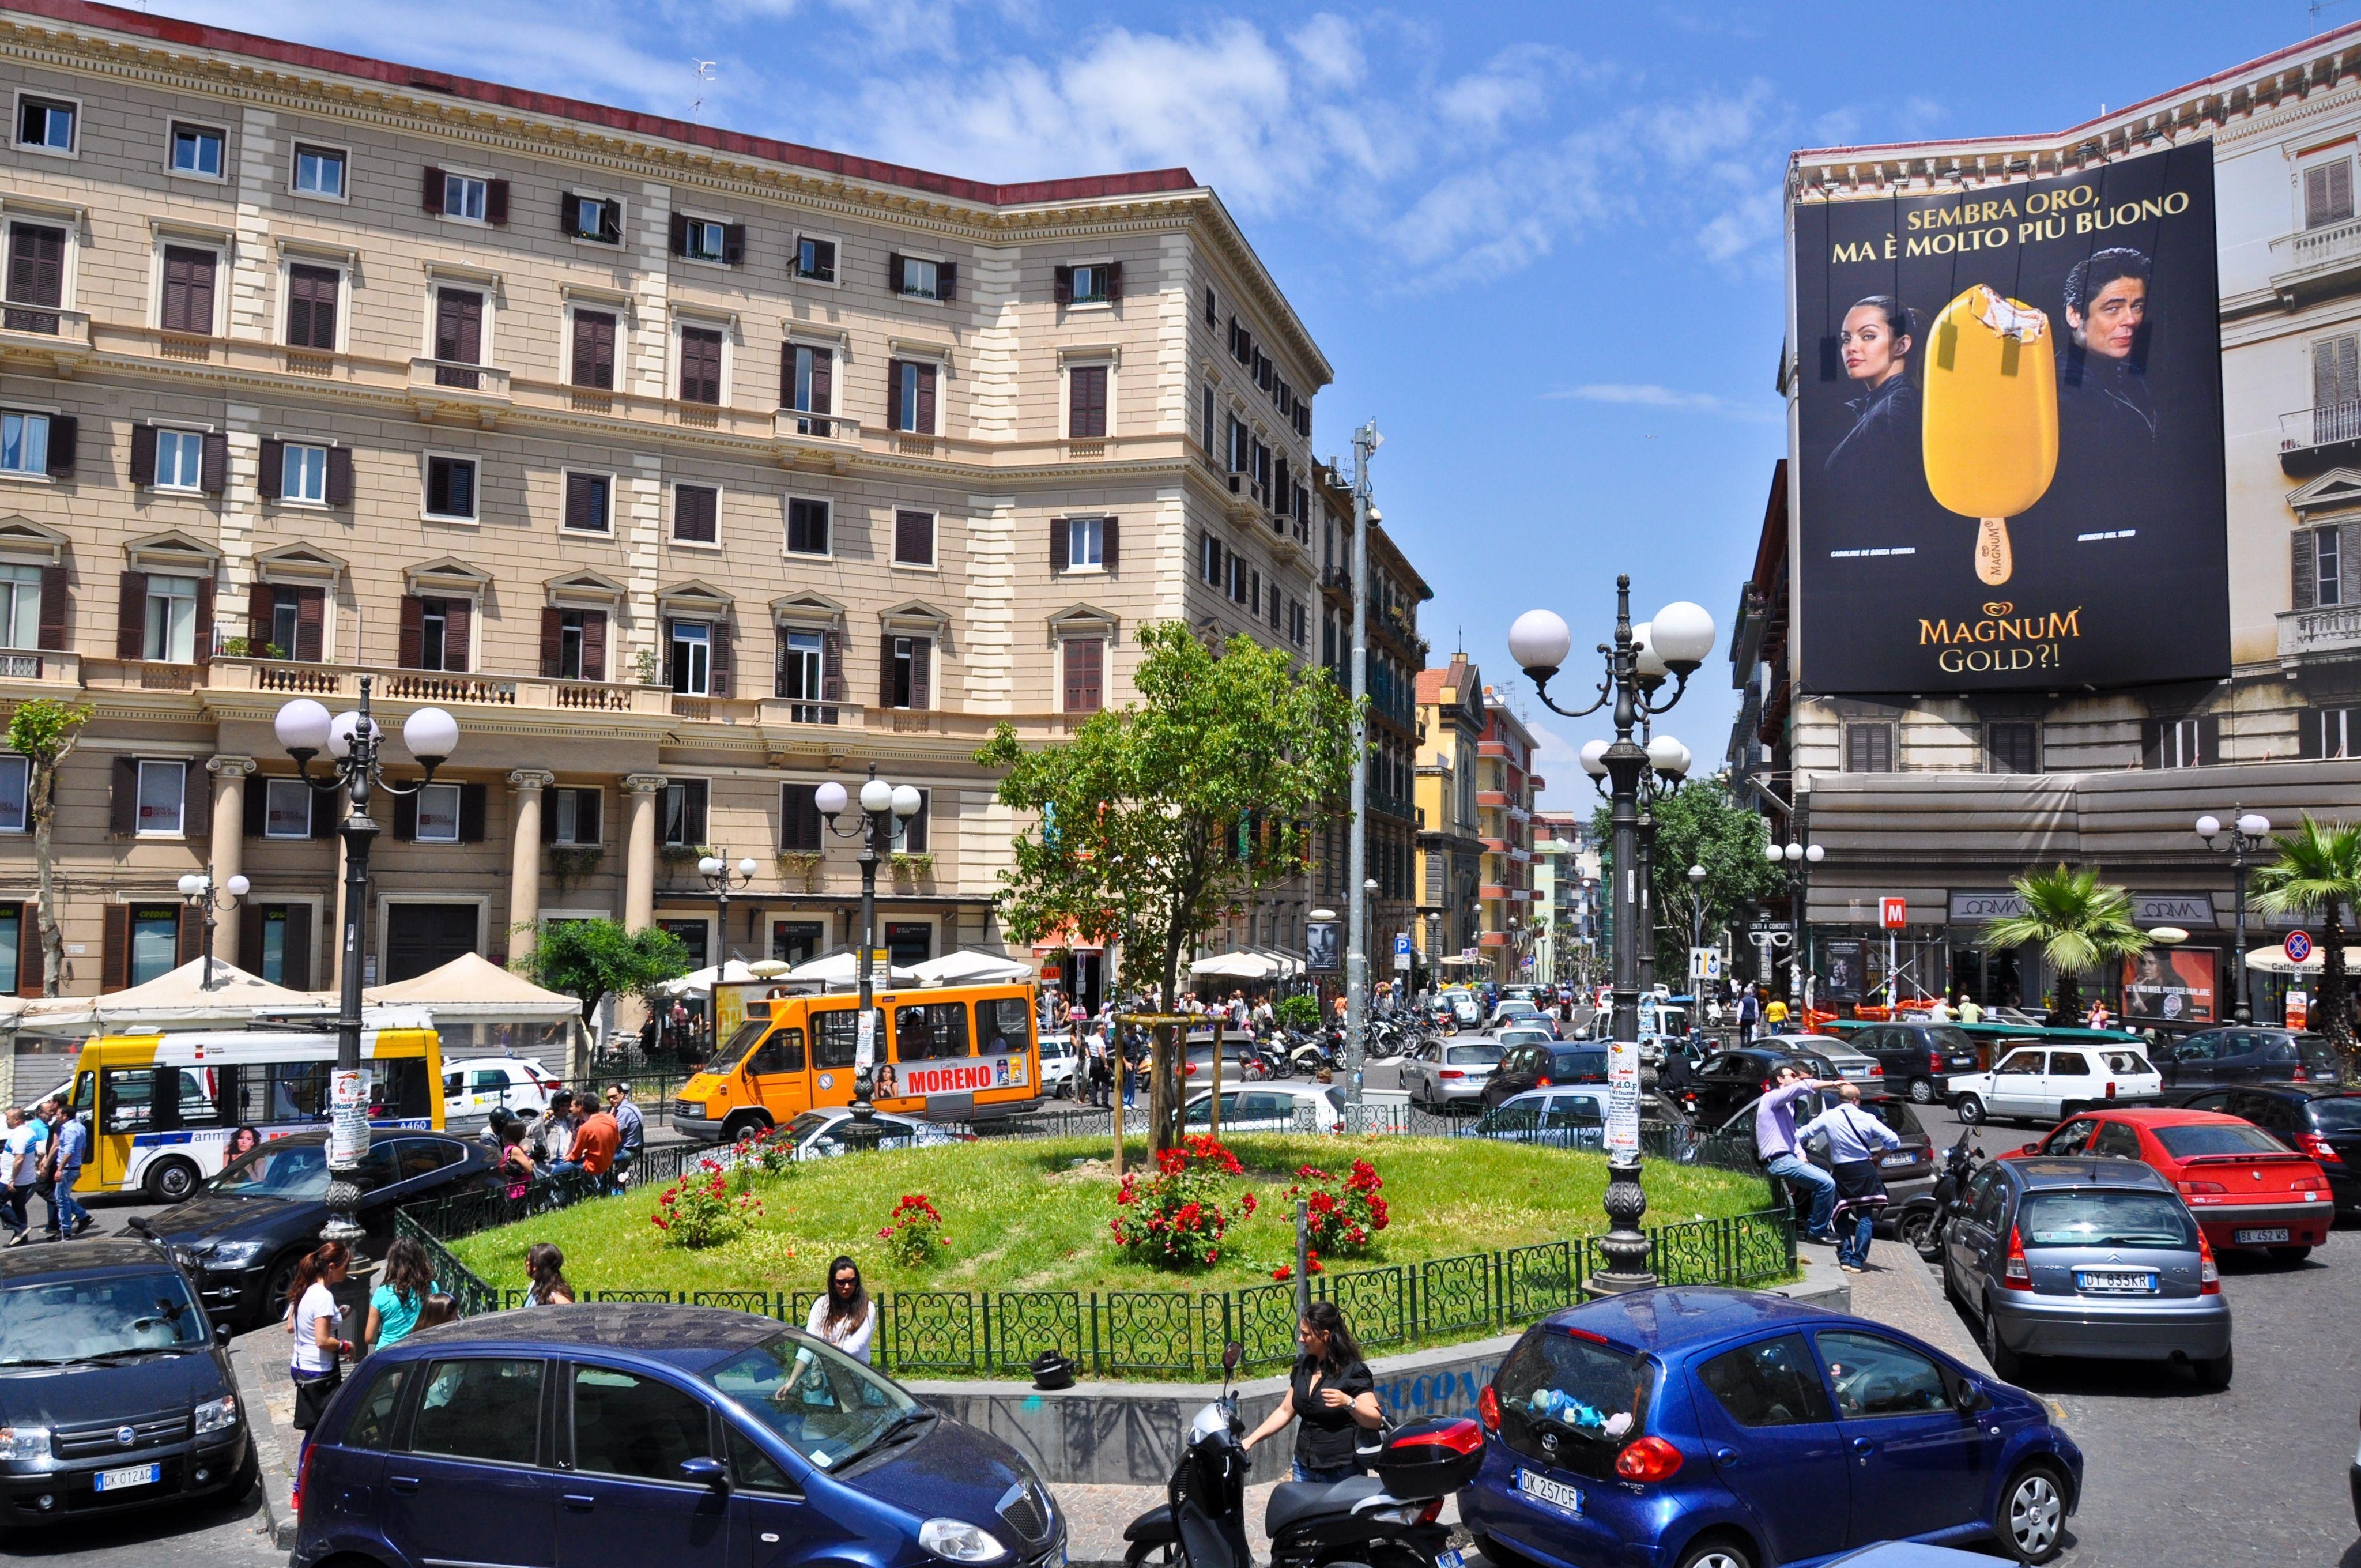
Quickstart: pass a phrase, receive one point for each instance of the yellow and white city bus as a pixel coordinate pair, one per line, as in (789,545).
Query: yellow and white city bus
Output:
(164,1107)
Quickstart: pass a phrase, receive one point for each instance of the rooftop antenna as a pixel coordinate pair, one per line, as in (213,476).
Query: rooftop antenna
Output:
(704,73)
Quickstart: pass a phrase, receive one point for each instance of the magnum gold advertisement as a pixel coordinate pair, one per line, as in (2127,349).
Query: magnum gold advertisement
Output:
(2008,470)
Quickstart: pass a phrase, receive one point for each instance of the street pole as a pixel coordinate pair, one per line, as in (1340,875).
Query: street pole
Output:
(2249,831)
(1646,919)
(1366,442)
(199,892)
(885,808)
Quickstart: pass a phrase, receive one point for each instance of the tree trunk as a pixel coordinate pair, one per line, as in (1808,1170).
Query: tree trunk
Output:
(53,940)
(1164,1059)
(2335,997)
(2069,1011)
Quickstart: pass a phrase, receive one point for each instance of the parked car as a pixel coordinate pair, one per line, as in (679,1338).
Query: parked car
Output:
(2284,1204)
(2041,1083)
(1515,1009)
(1565,1118)
(2085,1257)
(1540,1064)
(1694,1425)
(115,1391)
(2318,1119)
(474,1089)
(1727,1079)
(1904,1170)
(1849,1063)
(1060,1066)
(1916,1057)
(612,1433)
(821,1134)
(1286,1105)
(2213,1057)
(241,1234)
(1238,1053)
(1450,1074)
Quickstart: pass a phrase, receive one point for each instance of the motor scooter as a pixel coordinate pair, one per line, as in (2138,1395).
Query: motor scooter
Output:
(1921,1220)
(1385,1521)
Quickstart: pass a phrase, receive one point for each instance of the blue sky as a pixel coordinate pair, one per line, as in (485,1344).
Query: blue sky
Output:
(1539,243)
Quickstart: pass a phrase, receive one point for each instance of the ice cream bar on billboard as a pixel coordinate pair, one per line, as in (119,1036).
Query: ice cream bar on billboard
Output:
(1990,436)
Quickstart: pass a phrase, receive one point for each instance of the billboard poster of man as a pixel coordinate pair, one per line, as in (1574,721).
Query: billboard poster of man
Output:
(2169,985)
(2008,470)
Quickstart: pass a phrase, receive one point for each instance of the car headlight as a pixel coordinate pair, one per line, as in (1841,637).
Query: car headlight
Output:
(33,1443)
(233,1254)
(217,1415)
(958,1540)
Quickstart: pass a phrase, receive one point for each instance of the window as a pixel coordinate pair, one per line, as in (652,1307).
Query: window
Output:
(1086,401)
(451,488)
(1207,405)
(1085,661)
(931,1032)
(1770,1384)
(816,260)
(625,1424)
(37,275)
(589,503)
(692,658)
(287,619)
(179,459)
(810,388)
(695,514)
(575,816)
(1209,561)
(1096,284)
(45,122)
(918,830)
(594,350)
(836,1037)
(911,393)
(304,474)
(466,196)
(2014,747)
(573,644)
(483,1410)
(443,628)
(807,526)
(2115,1141)
(286,808)
(197,149)
(1085,543)
(312,307)
(919,279)
(15,780)
(799,822)
(592,217)
(684,814)
(2328,194)
(155,932)
(2335,385)
(458,336)
(24,443)
(909,941)
(163,795)
(171,626)
(702,239)
(319,171)
(803,675)
(2323,731)
(438,813)
(700,365)
(1874,1377)
(1869,749)
(2327,579)
(1213,313)
(906,671)
(913,539)
(2180,743)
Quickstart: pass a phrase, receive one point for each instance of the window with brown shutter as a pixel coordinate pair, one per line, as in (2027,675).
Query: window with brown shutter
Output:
(697,515)
(700,365)
(1086,403)
(589,503)
(458,336)
(340,476)
(913,539)
(2328,194)
(799,824)
(594,350)
(807,526)
(53,610)
(451,487)
(189,290)
(1085,659)
(37,277)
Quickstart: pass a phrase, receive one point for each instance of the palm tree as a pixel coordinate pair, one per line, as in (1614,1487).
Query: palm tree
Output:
(2318,872)
(2080,923)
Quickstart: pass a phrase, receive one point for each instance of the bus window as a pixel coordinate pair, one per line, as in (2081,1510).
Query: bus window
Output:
(296,1092)
(1005,1025)
(197,1097)
(128,1099)
(85,1092)
(783,1052)
(836,1037)
(398,1087)
(741,1042)
(931,1032)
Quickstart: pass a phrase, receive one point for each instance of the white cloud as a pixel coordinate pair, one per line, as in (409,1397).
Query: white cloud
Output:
(1647,394)
(1329,49)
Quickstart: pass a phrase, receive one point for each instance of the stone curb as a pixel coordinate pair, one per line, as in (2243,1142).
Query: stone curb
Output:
(253,1365)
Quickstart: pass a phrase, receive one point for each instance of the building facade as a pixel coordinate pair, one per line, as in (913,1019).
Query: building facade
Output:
(686,468)
(1506,787)
(1565,898)
(1451,719)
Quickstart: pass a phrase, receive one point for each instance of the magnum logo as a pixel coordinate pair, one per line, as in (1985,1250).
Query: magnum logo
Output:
(2002,639)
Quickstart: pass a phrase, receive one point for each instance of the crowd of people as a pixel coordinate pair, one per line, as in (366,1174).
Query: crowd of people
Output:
(44,1151)
(571,1137)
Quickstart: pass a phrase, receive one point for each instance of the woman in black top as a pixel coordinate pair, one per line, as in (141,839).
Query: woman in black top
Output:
(1331,1391)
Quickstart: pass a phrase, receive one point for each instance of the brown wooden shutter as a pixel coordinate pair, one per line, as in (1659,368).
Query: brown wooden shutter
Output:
(885,672)
(610,222)
(325,820)
(594,645)
(668,646)
(2209,740)
(405,817)
(549,816)
(203,638)
(1114,282)
(255,821)
(831,666)
(296,972)
(28,950)
(1060,528)
(131,617)
(569,207)
(921,691)
(143,454)
(472,809)
(823,381)
(553,640)
(733,242)
(893,272)
(213,472)
(196,801)
(893,403)
(123,798)
(786,375)
(188,302)
(1110,548)
(496,200)
(718,661)
(430,196)
(927,399)
(413,654)
(53,610)
(268,479)
(458,326)
(457,615)
(594,350)
(115,949)
(340,476)
(310,624)
(947,280)
(261,610)
(65,429)
(1063,288)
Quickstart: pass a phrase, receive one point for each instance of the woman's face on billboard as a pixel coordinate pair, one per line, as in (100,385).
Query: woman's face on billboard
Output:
(2114,318)
(1872,351)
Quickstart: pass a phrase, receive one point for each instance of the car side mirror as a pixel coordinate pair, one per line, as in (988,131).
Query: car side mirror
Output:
(221,1333)
(1973,1399)
(2030,1149)
(706,1472)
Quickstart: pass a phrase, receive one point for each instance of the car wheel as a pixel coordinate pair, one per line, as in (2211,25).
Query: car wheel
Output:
(2288,1256)
(1971,1111)
(2031,1520)
(2214,1373)
(1922,1092)
(276,1285)
(171,1181)
(1721,1552)
(741,1129)
(2007,1365)
(1915,1230)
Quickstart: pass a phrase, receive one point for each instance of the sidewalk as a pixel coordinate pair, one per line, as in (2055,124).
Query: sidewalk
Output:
(1900,1289)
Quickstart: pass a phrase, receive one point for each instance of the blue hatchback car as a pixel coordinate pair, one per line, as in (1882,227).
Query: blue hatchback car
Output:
(563,1437)
(1725,1429)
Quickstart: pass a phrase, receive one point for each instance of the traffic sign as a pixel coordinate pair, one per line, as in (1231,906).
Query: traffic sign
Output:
(1704,964)
(1893,913)
(1401,949)
(2298,946)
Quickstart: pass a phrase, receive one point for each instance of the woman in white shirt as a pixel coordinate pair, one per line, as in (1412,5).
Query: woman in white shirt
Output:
(845,1317)
(316,1357)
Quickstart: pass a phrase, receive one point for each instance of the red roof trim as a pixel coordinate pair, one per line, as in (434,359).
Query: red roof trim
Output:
(192,35)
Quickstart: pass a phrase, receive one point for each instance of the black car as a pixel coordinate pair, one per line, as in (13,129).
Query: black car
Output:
(2212,1058)
(1728,1080)
(241,1234)
(1904,1170)
(115,1392)
(2319,1119)
(1539,1066)
(1917,1057)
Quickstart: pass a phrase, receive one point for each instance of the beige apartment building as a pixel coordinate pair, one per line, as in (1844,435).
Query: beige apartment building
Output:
(686,468)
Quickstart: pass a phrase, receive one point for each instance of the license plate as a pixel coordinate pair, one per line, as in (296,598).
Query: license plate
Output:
(1449,1560)
(129,1475)
(2260,1237)
(2138,1281)
(1555,1492)
(1889,1161)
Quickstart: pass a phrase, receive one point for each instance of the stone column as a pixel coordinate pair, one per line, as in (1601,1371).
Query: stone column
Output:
(640,862)
(524,859)
(229,845)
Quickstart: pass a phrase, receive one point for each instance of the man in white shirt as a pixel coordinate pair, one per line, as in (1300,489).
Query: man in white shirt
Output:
(20,1157)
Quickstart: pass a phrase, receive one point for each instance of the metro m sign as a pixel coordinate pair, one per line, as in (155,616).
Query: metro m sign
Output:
(1893,913)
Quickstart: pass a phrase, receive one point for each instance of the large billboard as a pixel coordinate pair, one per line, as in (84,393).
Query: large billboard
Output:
(2008,467)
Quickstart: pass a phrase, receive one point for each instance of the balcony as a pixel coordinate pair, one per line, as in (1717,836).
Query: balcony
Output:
(448,389)
(2316,264)
(28,332)
(2313,441)
(2335,630)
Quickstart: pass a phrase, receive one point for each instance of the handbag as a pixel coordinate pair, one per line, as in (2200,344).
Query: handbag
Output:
(312,1394)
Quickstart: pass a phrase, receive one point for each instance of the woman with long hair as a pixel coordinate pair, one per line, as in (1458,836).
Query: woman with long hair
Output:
(1882,447)
(1331,1392)
(514,1171)
(545,1267)
(845,1317)
(439,1309)
(317,1357)
(243,1140)
(400,1294)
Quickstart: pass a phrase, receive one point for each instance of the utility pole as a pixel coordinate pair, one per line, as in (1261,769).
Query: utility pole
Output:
(1366,442)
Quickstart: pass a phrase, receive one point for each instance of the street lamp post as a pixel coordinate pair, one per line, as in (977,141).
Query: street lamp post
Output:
(1696,910)
(2249,831)
(1683,636)
(352,742)
(721,879)
(885,817)
(1796,858)
(199,892)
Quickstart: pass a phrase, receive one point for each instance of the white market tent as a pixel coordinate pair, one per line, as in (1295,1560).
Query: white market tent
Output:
(968,967)
(480,1008)
(1249,964)
(175,999)
(698,984)
(840,971)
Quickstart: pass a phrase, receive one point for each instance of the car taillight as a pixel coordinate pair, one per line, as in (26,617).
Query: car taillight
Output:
(2297,1076)
(1451,1073)
(1934,1060)
(2209,1273)
(2317,1148)
(2111,1088)
(2194,1187)
(303,1479)
(1488,1404)
(2014,1273)
(1650,1459)
(1541,1083)
(1876,1069)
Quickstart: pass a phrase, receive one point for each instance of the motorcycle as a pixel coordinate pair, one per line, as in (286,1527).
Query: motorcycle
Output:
(1385,1521)
(1921,1223)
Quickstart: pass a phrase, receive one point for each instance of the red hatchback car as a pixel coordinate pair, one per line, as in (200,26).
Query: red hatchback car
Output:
(2244,1186)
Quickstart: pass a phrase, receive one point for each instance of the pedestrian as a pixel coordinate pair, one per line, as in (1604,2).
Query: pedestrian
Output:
(439,1309)
(1100,1067)
(400,1294)
(1971,1011)
(1331,1393)
(553,1134)
(19,1157)
(632,1126)
(845,1317)
(68,1152)
(47,1118)
(545,1267)
(596,1140)
(515,1167)
(1774,1015)
(1780,1152)
(2097,1018)
(316,1356)
(1750,1013)
(1856,1139)
(1940,1011)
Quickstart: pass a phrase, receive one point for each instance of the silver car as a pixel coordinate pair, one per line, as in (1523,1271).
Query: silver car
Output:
(1855,1066)
(2083,1256)
(1449,1075)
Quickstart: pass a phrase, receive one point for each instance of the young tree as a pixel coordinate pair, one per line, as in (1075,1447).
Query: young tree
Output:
(1697,825)
(1154,818)
(2080,924)
(43,731)
(588,959)
(2318,873)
